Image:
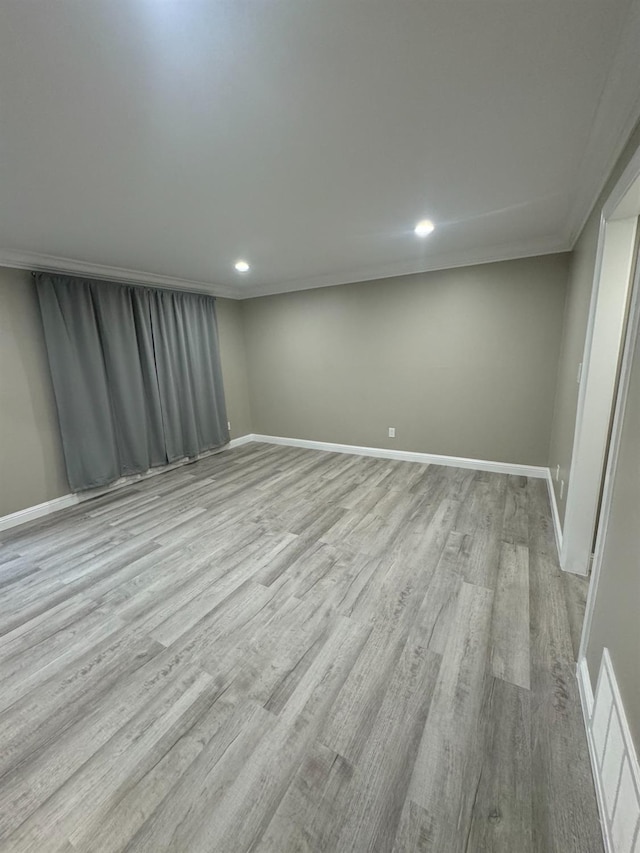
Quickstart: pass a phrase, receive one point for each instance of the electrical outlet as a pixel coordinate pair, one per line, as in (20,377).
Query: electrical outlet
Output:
(392,432)
(229,425)
(557,472)
(561,489)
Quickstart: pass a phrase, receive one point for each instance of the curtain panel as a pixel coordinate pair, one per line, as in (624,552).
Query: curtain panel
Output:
(136,376)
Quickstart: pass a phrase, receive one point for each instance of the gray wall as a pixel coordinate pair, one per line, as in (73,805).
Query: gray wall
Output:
(574,330)
(617,602)
(31,463)
(234,365)
(31,460)
(573,336)
(616,619)
(461,362)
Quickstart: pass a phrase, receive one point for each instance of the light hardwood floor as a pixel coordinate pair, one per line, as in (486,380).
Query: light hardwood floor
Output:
(278,649)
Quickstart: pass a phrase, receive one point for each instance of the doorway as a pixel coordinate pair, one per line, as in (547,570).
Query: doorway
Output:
(606,332)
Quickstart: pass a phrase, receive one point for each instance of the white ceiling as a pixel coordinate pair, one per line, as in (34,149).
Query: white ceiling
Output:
(172,137)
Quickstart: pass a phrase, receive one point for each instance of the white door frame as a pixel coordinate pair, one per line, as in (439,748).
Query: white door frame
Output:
(598,380)
(631,205)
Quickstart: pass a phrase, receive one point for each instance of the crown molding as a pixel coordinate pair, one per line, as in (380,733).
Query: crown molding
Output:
(51,263)
(452,260)
(616,115)
(493,254)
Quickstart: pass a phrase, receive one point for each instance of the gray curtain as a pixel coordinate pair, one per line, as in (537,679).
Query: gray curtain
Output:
(185,335)
(136,375)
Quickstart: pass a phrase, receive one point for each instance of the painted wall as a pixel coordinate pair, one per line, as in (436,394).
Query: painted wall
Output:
(461,362)
(576,315)
(615,621)
(616,267)
(31,461)
(234,365)
(617,599)
(574,330)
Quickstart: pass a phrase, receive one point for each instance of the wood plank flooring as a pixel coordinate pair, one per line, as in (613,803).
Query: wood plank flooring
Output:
(278,650)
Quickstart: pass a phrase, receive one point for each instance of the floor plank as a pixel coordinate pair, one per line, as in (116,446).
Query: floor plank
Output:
(276,649)
(449,762)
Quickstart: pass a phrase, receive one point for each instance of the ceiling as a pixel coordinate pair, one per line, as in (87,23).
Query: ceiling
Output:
(162,140)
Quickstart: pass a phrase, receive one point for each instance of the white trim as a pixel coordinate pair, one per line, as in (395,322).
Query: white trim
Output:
(589,704)
(51,263)
(575,555)
(615,117)
(607,665)
(633,328)
(586,703)
(31,513)
(432,263)
(555,515)
(409,456)
(622,187)
(238,442)
(452,260)
(612,462)
(585,368)
(586,690)
(602,713)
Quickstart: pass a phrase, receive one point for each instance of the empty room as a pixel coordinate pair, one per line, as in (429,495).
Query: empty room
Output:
(319,426)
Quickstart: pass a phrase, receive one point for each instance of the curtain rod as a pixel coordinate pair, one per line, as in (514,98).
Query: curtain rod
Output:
(127,283)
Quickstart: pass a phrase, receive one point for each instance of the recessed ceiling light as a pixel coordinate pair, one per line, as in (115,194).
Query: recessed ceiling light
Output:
(424,227)
(242,266)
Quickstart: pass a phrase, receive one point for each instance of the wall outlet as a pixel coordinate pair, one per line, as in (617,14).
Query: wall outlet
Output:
(228,425)
(557,472)
(561,489)
(392,432)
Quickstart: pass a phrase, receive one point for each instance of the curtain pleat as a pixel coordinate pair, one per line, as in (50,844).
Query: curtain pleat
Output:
(80,383)
(186,336)
(136,376)
(124,327)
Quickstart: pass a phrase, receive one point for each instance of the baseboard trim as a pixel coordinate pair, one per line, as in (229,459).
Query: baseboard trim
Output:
(614,763)
(238,442)
(586,690)
(409,456)
(555,515)
(32,513)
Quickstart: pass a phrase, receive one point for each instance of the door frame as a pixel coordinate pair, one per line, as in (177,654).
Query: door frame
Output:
(587,466)
(627,191)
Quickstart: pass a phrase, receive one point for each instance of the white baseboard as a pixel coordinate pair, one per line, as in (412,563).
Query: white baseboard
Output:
(409,456)
(555,515)
(586,690)
(238,442)
(32,513)
(614,762)
(586,702)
